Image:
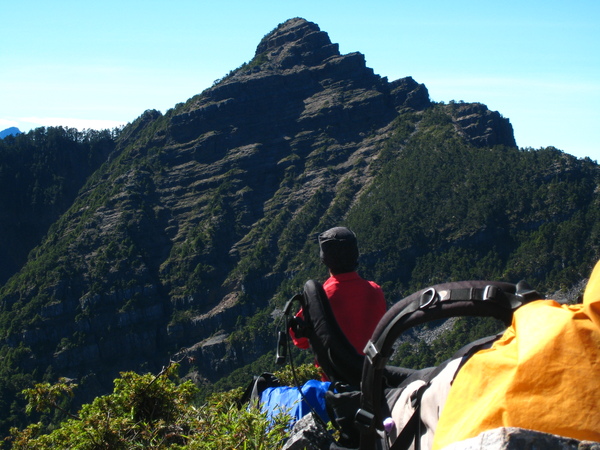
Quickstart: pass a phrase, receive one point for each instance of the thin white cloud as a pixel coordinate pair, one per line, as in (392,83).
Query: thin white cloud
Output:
(4,124)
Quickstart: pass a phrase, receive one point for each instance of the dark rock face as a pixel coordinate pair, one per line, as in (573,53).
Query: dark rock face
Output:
(308,434)
(408,93)
(297,42)
(482,127)
(302,84)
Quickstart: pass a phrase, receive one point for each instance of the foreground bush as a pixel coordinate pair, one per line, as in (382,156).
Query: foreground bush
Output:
(149,412)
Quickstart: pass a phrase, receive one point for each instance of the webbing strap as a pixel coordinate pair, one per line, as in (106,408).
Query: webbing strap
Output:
(476,298)
(409,433)
(431,297)
(412,429)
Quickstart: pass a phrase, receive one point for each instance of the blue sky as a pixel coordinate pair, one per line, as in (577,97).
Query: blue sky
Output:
(101,64)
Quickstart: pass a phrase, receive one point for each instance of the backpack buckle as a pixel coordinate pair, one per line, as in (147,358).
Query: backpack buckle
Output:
(364,419)
(429,297)
(490,292)
(373,355)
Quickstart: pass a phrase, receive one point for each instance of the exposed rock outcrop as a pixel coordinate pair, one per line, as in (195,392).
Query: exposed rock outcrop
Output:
(482,127)
(308,434)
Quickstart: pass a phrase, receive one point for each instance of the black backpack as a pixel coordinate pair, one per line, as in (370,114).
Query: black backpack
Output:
(360,404)
(335,354)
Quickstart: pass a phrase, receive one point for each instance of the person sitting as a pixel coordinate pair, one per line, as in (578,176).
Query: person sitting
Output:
(356,303)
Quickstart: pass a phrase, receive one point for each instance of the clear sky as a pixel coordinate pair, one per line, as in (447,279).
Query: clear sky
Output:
(98,64)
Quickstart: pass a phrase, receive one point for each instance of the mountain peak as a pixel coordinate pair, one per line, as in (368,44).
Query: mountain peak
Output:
(296,42)
(12,131)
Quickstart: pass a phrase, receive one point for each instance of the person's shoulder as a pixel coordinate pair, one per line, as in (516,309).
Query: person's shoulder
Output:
(377,291)
(358,277)
(375,285)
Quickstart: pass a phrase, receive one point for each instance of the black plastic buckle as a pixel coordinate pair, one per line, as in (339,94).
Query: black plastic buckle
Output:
(364,419)
(490,292)
(281,355)
(374,356)
(527,292)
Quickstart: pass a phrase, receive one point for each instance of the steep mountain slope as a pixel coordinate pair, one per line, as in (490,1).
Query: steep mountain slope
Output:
(40,175)
(202,221)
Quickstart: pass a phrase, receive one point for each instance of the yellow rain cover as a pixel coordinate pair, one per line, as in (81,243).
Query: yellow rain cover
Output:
(543,375)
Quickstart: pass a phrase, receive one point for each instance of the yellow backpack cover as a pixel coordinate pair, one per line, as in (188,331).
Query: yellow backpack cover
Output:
(543,374)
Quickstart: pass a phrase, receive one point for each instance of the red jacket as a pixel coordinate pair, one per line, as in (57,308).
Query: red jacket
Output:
(357,305)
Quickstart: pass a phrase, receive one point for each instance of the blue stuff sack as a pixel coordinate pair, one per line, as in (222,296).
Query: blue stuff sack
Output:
(287,400)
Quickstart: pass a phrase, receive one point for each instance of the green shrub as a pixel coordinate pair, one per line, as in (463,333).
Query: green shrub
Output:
(150,412)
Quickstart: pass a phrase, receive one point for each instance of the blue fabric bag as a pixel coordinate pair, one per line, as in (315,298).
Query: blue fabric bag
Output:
(287,400)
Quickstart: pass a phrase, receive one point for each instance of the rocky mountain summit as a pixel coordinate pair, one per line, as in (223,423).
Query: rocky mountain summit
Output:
(201,221)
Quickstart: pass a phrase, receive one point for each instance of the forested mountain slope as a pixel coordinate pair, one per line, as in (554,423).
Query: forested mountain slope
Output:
(201,222)
(40,175)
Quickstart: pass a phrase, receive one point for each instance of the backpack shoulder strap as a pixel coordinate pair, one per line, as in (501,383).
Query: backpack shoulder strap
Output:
(338,358)
(463,298)
(412,428)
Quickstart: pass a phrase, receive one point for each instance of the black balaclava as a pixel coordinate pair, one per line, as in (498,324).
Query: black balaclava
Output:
(339,250)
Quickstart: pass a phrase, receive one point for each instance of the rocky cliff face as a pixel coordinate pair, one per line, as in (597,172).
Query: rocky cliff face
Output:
(182,232)
(482,127)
